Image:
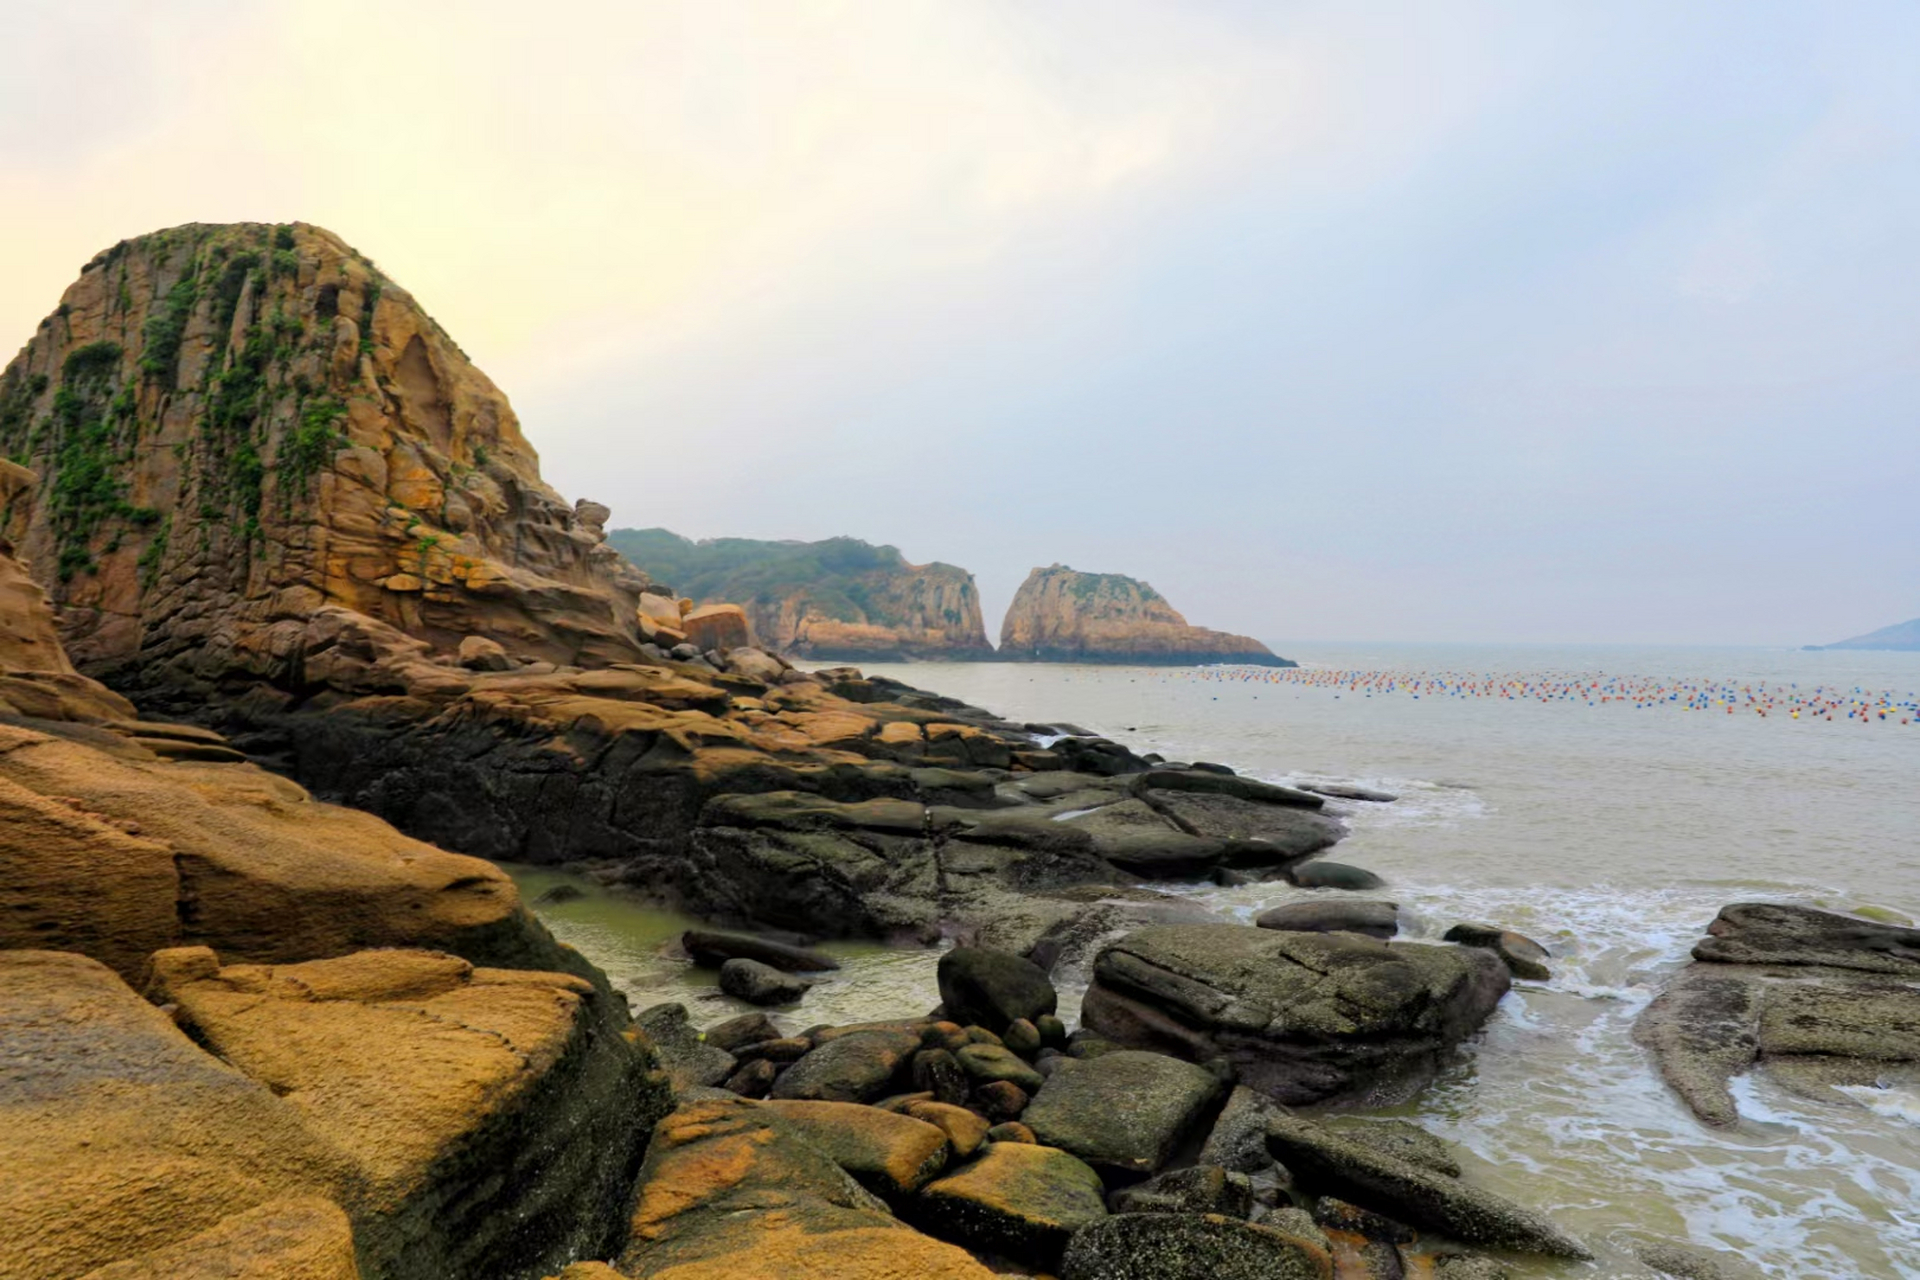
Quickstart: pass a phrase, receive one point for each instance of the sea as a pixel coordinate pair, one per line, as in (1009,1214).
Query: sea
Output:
(1605,801)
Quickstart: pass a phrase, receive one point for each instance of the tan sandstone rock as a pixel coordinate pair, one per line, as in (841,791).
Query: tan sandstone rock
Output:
(1062,615)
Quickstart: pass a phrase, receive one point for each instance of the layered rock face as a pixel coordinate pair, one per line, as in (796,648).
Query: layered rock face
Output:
(240,427)
(841,599)
(1062,615)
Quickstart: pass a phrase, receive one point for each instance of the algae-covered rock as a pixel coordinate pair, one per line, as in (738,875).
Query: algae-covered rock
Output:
(852,1068)
(1182,1246)
(1127,1111)
(1021,1200)
(991,988)
(888,1154)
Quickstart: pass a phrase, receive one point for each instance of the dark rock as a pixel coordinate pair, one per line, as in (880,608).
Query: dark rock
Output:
(980,1035)
(711,949)
(1205,766)
(1768,933)
(748,1028)
(986,1063)
(1686,1262)
(1403,1140)
(753,1079)
(1334,875)
(758,983)
(938,1072)
(558,894)
(1085,1044)
(1469,1266)
(1238,1141)
(1163,855)
(1303,1016)
(992,988)
(1126,1111)
(1338,1215)
(1001,1100)
(783,1050)
(1181,1246)
(1328,1162)
(950,1036)
(1205,782)
(687,1059)
(1017,1199)
(1524,957)
(1022,1037)
(1200,1188)
(855,1068)
(1346,791)
(1053,1032)
(1276,834)
(1372,918)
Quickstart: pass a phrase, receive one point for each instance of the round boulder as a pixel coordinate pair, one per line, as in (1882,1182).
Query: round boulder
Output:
(1373,918)
(762,984)
(991,988)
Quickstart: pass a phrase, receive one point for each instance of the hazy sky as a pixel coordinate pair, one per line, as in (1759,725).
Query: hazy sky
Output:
(1461,320)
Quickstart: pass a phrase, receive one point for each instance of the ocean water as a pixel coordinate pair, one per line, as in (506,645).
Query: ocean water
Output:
(1610,831)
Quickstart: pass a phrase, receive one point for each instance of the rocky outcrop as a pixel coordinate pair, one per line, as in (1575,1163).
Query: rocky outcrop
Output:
(841,599)
(1305,1017)
(239,427)
(1815,997)
(1062,615)
(1903,636)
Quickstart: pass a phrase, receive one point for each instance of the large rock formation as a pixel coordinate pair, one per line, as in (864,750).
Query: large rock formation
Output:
(1903,636)
(241,429)
(1062,615)
(839,599)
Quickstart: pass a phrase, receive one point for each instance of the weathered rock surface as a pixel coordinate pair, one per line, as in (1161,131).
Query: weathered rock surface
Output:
(730,1192)
(890,1155)
(1329,1162)
(1303,1016)
(852,1068)
(1523,957)
(981,986)
(1182,1246)
(1018,1199)
(1060,615)
(1127,1111)
(1201,1188)
(689,1061)
(1238,1140)
(1815,997)
(838,599)
(758,983)
(494,1118)
(1374,919)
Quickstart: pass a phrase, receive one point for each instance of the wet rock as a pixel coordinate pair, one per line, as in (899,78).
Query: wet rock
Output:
(965,1131)
(1020,1200)
(855,1068)
(758,983)
(1333,875)
(711,949)
(1238,1140)
(1374,919)
(1328,1162)
(993,988)
(1126,1111)
(1180,1246)
(1001,1100)
(730,1189)
(752,1079)
(1770,933)
(938,1072)
(890,1155)
(986,1063)
(1524,957)
(1469,1266)
(1053,1032)
(1347,791)
(782,1050)
(1403,1140)
(1303,1016)
(1200,1188)
(1022,1037)
(1337,1215)
(748,1028)
(689,1060)
(1688,1262)
(558,894)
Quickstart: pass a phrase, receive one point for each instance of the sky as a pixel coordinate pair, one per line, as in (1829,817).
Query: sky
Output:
(1462,321)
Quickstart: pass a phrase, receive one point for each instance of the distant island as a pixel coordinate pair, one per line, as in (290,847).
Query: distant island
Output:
(842,599)
(1901,635)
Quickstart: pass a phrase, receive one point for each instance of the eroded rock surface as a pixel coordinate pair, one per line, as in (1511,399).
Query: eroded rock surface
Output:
(1061,615)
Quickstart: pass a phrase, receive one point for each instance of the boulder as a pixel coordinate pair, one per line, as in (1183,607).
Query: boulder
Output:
(1016,1199)
(478,653)
(1523,957)
(398,1058)
(717,626)
(1125,1111)
(1000,1100)
(993,988)
(690,1062)
(1183,1246)
(1333,875)
(293,1239)
(1304,1017)
(1403,1140)
(1201,1188)
(986,1063)
(758,983)
(1329,1162)
(1238,1140)
(755,664)
(711,948)
(1347,791)
(890,1155)
(939,1072)
(1771,933)
(753,1079)
(1374,919)
(730,1191)
(738,1032)
(852,1068)
(965,1131)
(1275,831)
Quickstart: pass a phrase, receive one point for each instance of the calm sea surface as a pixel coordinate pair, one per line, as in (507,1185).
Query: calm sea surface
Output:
(1602,800)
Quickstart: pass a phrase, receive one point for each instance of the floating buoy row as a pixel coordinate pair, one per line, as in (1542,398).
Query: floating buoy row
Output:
(1595,689)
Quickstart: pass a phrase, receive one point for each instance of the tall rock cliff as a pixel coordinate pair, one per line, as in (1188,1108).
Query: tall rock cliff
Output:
(1062,615)
(838,599)
(247,433)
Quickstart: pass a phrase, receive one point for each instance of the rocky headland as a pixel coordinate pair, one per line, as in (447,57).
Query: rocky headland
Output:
(325,643)
(1063,615)
(840,600)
